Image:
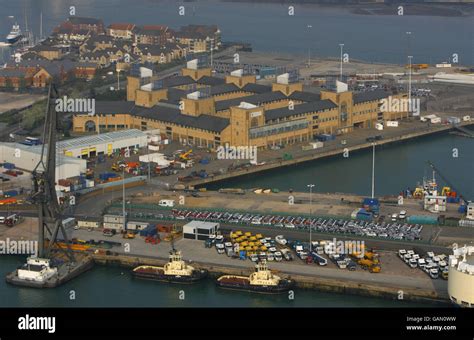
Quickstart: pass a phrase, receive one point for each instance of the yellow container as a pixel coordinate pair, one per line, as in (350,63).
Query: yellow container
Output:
(248,234)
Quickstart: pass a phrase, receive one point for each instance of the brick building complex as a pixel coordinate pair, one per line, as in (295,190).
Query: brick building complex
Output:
(203,110)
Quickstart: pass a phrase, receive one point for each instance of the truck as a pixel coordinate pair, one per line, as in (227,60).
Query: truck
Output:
(166,203)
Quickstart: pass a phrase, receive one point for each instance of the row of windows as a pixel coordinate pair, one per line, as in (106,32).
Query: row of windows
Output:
(279,130)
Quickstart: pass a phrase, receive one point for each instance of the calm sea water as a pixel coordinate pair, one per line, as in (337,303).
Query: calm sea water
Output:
(397,167)
(375,38)
(114,287)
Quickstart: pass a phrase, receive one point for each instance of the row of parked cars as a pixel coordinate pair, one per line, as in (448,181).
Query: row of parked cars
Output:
(396,230)
(431,264)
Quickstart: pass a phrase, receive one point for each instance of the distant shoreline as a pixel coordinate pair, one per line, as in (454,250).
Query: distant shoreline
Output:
(446,9)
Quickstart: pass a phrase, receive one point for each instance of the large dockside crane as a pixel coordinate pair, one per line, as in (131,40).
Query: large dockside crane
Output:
(44,191)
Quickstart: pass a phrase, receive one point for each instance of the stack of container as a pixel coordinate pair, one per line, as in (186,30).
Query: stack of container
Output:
(108,176)
(371,205)
(115,222)
(422,219)
(364,215)
(9,166)
(150,230)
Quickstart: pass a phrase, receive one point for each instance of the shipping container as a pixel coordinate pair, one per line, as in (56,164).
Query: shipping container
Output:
(137,225)
(9,166)
(10,193)
(113,218)
(422,219)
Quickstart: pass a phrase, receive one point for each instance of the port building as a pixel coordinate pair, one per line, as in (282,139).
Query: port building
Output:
(72,154)
(200,109)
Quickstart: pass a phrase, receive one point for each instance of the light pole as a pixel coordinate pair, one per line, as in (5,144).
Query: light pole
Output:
(373,170)
(340,77)
(309,46)
(409,84)
(310,186)
(123,197)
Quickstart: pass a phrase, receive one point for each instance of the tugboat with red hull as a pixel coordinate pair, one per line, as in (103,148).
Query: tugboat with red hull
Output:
(261,281)
(175,271)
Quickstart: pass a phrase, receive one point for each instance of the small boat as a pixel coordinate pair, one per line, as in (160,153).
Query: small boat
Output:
(280,239)
(15,34)
(261,281)
(267,191)
(176,271)
(258,191)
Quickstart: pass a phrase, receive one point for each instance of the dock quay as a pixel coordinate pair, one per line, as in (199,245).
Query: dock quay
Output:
(362,283)
(356,141)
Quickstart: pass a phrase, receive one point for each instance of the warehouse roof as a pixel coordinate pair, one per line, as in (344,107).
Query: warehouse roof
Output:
(173,115)
(370,96)
(299,109)
(102,138)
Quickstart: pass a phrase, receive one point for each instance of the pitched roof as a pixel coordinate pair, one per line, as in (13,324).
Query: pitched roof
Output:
(256,88)
(172,115)
(256,99)
(305,96)
(370,96)
(121,26)
(114,107)
(224,88)
(299,109)
(177,81)
(211,81)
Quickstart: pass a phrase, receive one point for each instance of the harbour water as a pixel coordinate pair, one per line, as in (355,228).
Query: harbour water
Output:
(397,167)
(114,287)
(268,27)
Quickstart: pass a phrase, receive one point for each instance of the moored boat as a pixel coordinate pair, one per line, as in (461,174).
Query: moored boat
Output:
(261,281)
(176,270)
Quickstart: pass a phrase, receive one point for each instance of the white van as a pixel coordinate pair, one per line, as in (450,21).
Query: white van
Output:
(166,203)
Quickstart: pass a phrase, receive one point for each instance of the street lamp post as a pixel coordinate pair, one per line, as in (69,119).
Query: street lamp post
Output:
(123,197)
(340,76)
(310,186)
(409,84)
(373,170)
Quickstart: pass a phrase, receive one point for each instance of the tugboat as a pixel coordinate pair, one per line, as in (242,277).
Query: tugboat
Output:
(176,271)
(261,281)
